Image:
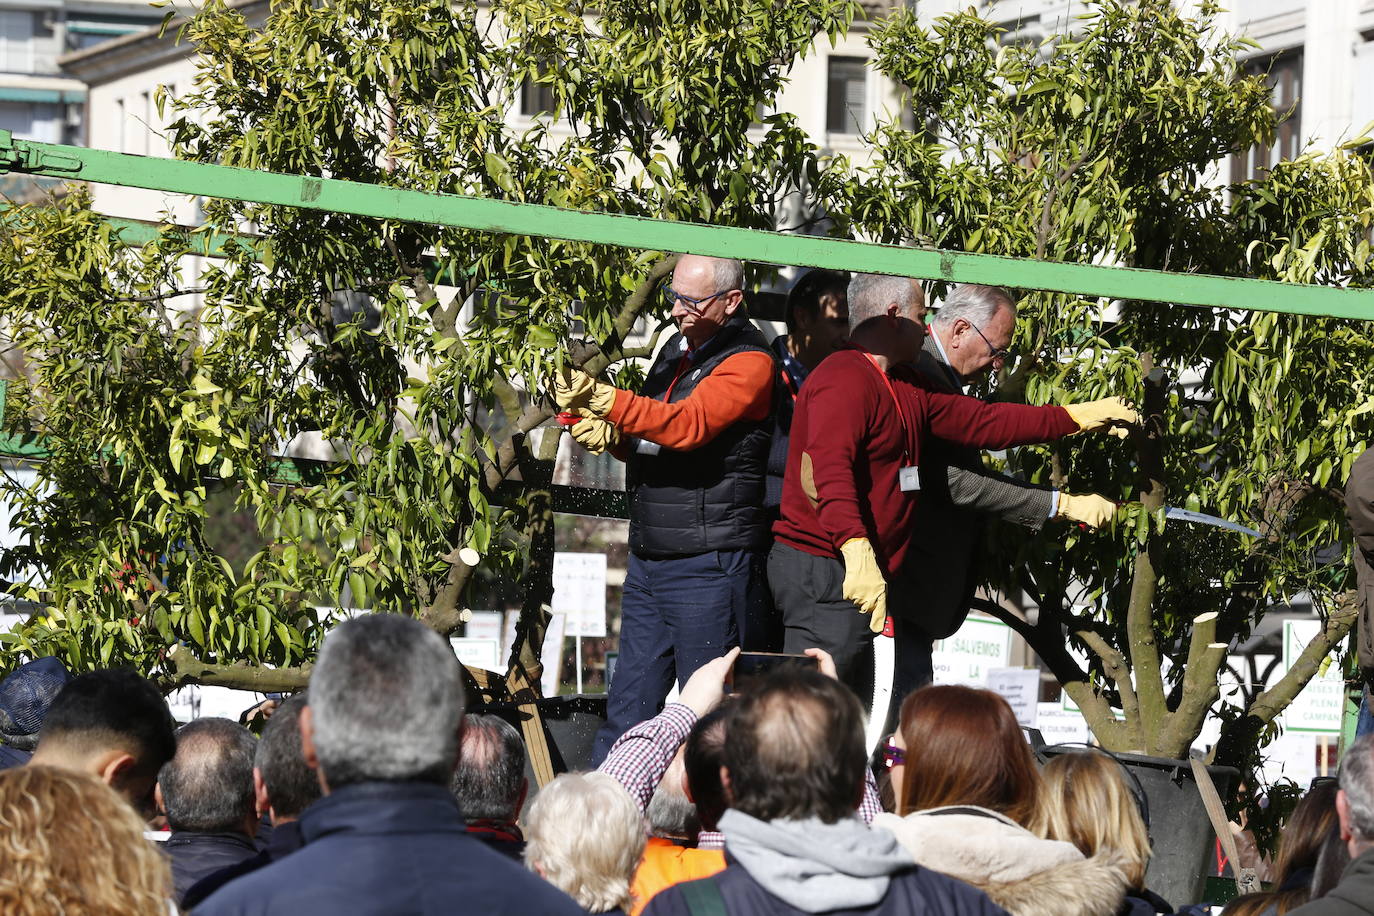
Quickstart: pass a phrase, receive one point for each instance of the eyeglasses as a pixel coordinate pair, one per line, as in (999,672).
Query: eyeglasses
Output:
(695,306)
(892,754)
(998,356)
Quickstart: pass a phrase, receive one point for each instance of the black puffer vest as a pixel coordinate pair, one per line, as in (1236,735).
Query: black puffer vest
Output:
(710,498)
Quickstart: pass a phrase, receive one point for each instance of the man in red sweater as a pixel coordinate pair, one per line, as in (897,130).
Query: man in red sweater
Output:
(853,480)
(695,439)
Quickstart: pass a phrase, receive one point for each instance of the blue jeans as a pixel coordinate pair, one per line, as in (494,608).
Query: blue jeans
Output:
(675,615)
(1365,723)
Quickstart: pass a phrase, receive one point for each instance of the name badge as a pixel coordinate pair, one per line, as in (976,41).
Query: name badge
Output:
(909,478)
(645,447)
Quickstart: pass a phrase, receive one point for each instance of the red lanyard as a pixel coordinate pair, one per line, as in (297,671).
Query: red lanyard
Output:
(901,414)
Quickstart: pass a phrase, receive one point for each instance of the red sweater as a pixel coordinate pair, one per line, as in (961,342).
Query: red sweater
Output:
(846,427)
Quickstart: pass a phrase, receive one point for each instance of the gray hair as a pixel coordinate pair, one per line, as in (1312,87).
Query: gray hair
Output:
(291,785)
(1356,779)
(386,698)
(871,294)
(491,769)
(973,303)
(208,786)
(587,835)
(671,813)
(728,273)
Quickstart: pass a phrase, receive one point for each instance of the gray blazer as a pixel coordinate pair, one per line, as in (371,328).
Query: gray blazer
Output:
(957,493)
(1359,508)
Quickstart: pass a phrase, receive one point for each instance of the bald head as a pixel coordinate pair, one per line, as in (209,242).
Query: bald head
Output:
(707,293)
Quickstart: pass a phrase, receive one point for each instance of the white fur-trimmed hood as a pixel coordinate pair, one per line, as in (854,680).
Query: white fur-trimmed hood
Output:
(1022,873)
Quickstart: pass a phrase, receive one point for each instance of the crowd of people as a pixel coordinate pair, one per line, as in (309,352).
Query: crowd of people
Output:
(375,791)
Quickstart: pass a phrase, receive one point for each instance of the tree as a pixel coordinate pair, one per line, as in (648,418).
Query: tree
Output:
(1100,146)
(354,330)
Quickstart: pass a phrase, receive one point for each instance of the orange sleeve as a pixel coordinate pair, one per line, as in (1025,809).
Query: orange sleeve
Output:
(740,388)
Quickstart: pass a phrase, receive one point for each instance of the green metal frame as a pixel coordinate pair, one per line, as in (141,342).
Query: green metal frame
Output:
(176,176)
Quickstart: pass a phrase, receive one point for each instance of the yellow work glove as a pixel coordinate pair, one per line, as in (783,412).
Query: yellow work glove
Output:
(574,389)
(595,435)
(1087,508)
(1092,415)
(863,581)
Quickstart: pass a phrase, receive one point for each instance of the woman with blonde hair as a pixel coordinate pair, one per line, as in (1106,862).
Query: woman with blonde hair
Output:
(585,836)
(969,799)
(70,845)
(1089,804)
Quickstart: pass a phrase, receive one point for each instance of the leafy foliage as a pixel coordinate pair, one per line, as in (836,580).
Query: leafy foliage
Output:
(1101,146)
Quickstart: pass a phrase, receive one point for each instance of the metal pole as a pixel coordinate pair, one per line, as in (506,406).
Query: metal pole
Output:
(177,176)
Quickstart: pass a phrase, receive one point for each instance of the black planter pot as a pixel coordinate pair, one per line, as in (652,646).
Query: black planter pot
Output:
(570,725)
(1180,832)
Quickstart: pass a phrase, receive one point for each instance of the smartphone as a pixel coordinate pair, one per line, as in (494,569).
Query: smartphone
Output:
(750,666)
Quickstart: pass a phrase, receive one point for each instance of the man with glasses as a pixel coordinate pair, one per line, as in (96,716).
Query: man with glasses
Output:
(695,439)
(969,337)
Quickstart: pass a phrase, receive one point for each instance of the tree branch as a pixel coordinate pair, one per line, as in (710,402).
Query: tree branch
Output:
(1140,632)
(184,668)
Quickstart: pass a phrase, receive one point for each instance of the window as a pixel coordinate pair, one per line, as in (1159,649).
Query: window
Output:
(535,98)
(1283,73)
(846,95)
(16,41)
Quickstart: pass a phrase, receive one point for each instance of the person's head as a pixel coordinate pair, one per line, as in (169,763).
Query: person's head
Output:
(1306,832)
(71,845)
(25,697)
(703,757)
(386,702)
(975,326)
(887,315)
(1355,800)
(963,746)
(817,315)
(1089,804)
(670,811)
(705,293)
(489,781)
(284,784)
(208,786)
(585,836)
(113,725)
(796,748)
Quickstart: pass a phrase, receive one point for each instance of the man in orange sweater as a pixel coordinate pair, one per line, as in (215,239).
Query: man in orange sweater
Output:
(695,439)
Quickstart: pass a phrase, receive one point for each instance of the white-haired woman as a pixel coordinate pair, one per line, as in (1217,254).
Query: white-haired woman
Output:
(585,836)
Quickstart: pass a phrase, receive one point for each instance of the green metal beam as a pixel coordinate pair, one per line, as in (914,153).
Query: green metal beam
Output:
(329,194)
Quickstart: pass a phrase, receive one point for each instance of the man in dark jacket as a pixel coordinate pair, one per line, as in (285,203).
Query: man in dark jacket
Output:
(381,729)
(489,783)
(1359,509)
(1354,895)
(817,319)
(968,338)
(695,441)
(795,764)
(207,792)
(283,787)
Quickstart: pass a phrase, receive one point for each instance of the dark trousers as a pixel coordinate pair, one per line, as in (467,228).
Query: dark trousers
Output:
(675,615)
(808,590)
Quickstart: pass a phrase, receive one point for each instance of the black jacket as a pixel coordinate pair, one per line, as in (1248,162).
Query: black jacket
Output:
(784,404)
(709,498)
(283,839)
(915,892)
(388,848)
(195,855)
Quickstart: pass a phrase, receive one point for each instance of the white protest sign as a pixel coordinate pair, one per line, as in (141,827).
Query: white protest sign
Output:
(1319,706)
(579,591)
(478,652)
(552,656)
(966,657)
(1020,687)
(1060,726)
